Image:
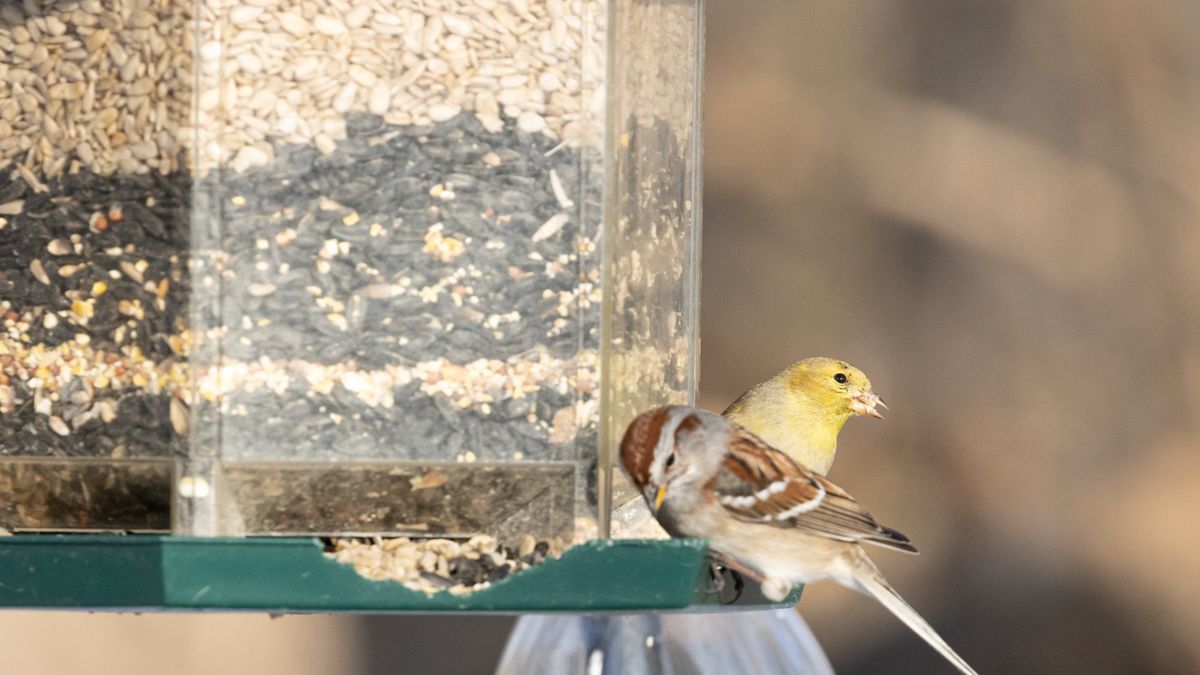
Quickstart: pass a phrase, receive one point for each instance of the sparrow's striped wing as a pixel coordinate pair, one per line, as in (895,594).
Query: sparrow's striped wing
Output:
(759,484)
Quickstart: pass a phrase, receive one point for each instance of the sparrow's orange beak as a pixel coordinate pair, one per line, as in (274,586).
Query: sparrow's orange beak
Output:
(660,496)
(864,402)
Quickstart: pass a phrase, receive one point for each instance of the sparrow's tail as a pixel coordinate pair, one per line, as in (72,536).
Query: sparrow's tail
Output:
(870,581)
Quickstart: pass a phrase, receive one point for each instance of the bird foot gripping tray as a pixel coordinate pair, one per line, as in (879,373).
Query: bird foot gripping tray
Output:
(413,287)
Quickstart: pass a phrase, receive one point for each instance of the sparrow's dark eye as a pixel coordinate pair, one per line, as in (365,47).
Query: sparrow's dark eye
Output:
(840,378)
(670,460)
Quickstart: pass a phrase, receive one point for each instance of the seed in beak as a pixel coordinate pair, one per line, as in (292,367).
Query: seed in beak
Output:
(864,404)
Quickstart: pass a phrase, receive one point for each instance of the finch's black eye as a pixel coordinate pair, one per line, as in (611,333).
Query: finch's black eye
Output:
(840,378)
(670,460)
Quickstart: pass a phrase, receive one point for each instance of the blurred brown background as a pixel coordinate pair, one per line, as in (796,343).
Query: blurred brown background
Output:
(994,209)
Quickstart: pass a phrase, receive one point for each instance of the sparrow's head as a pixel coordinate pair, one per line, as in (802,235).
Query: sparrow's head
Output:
(672,445)
(834,386)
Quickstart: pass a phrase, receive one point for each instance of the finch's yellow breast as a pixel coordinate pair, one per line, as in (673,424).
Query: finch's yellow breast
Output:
(791,421)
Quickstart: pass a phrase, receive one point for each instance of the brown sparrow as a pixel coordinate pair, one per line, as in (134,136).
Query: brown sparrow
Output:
(762,513)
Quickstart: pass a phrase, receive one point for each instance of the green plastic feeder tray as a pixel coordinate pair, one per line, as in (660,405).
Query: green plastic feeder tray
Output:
(293,575)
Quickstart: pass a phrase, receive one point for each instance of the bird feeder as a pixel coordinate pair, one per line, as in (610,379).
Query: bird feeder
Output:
(278,270)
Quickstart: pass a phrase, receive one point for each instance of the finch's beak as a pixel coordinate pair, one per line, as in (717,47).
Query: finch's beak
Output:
(864,403)
(660,496)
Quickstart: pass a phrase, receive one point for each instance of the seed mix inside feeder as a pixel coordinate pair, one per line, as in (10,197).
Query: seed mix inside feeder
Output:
(337,268)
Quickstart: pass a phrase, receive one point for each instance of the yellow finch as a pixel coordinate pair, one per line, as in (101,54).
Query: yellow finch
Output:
(802,409)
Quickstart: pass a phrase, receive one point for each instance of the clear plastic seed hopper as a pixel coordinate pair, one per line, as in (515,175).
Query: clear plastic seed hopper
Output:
(275,271)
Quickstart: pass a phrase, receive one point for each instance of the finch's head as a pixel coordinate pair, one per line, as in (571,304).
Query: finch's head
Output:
(834,385)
